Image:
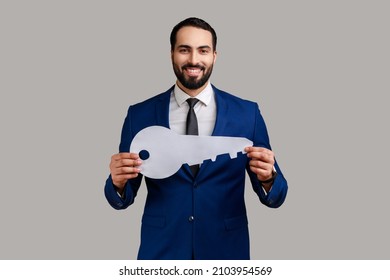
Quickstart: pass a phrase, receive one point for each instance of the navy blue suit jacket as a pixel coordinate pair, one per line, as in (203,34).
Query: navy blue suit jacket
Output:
(202,217)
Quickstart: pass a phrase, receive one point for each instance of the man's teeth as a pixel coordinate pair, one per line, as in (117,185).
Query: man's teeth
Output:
(193,70)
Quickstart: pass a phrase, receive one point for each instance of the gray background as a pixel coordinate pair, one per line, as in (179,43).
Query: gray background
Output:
(319,70)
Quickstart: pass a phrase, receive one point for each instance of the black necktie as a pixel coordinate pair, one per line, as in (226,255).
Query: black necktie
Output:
(192,127)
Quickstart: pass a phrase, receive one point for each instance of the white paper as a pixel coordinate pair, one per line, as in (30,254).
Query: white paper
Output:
(168,151)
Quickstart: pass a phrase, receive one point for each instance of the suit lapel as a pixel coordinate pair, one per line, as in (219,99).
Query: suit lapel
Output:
(162,108)
(222,111)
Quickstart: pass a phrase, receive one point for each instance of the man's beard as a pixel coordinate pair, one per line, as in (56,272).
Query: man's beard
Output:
(192,82)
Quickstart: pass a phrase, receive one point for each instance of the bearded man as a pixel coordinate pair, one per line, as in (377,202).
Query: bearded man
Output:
(199,212)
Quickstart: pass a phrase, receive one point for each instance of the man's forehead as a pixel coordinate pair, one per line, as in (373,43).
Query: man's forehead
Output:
(194,37)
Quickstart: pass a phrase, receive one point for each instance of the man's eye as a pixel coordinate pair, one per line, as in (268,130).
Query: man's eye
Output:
(183,51)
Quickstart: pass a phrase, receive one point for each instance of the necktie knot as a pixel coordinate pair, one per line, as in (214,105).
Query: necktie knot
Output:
(192,102)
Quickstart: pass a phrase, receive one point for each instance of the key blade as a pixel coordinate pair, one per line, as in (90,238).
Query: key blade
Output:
(240,146)
(210,147)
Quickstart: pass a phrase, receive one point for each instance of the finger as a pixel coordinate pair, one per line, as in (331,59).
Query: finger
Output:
(256,154)
(125,159)
(261,165)
(261,156)
(253,150)
(115,164)
(256,149)
(127,162)
(262,174)
(125,166)
(124,177)
(126,170)
(120,156)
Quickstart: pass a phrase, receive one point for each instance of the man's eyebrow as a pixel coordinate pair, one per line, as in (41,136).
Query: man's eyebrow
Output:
(189,47)
(184,46)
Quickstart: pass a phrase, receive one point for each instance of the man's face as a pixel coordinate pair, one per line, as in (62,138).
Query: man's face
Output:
(193,58)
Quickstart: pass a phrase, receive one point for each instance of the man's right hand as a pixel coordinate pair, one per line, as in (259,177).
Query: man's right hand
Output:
(124,166)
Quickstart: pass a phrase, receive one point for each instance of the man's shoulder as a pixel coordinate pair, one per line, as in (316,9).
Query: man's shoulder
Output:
(156,98)
(232,98)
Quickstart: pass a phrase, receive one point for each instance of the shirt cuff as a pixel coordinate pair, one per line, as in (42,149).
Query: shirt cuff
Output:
(266,193)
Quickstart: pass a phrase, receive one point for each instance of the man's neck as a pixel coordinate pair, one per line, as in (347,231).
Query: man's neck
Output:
(192,92)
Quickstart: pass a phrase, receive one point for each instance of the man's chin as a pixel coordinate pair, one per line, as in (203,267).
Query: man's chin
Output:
(192,79)
(193,83)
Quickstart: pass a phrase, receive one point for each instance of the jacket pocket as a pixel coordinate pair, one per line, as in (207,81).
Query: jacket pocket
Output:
(236,222)
(153,221)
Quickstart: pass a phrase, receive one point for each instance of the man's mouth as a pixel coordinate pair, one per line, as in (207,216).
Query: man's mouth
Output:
(193,71)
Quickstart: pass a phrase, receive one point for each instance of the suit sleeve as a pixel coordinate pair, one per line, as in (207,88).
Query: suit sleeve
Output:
(132,186)
(277,195)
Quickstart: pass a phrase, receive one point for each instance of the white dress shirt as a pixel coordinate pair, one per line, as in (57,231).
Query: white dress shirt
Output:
(205,110)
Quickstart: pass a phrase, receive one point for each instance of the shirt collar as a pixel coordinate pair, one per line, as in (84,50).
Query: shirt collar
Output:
(204,96)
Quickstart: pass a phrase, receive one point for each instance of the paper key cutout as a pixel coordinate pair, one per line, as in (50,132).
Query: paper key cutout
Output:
(163,151)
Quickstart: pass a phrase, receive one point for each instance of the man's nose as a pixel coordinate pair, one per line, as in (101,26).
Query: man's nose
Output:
(193,58)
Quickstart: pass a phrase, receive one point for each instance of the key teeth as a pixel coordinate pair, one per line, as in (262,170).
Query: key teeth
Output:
(233,155)
(213,159)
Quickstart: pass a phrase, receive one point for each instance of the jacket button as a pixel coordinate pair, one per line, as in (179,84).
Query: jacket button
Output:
(191,218)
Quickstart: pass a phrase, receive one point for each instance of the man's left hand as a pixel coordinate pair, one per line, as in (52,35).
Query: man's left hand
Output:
(262,162)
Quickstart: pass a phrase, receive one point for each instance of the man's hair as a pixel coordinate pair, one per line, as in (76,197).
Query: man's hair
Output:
(194,22)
